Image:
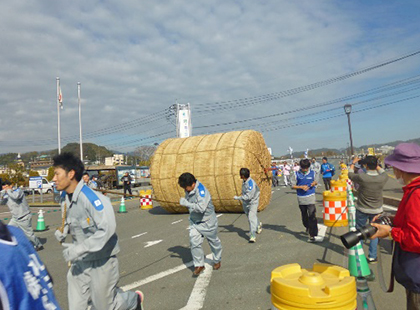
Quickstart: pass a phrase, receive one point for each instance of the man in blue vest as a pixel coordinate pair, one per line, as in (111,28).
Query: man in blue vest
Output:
(327,171)
(250,199)
(90,219)
(203,221)
(24,280)
(305,181)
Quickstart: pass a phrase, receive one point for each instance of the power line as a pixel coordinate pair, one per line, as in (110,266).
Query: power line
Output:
(234,104)
(323,104)
(96,133)
(256,127)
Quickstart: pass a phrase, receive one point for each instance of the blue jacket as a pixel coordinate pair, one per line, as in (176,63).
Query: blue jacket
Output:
(325,173)
(23,277)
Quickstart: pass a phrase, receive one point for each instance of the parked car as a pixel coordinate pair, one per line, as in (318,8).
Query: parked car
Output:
(47,188)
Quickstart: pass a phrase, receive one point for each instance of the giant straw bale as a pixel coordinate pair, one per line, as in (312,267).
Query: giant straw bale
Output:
(215,161)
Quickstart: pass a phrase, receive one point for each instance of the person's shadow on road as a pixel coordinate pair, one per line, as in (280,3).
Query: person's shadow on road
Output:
(231,228)
(181,252)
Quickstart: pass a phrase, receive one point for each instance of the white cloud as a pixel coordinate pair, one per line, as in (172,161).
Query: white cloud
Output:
(134,58)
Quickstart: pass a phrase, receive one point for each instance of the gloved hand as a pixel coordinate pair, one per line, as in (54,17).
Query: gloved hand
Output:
(70,252)
(183,202)
(237,197)
(61,235)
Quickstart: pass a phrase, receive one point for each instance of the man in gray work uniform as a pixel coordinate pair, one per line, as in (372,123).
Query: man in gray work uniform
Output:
(203,221)
(90,219)
(250,199)
(21,215)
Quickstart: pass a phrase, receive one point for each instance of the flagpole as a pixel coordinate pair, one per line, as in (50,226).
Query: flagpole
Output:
(58,116)
(80,120)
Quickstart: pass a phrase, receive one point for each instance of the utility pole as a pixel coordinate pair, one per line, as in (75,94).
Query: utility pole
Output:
(347,109)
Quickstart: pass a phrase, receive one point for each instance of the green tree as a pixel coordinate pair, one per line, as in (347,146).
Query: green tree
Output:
(5,176)
(33,173)
(8,158)
(50,173)
(16,174)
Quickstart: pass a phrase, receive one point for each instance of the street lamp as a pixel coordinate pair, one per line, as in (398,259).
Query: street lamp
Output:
(347,109)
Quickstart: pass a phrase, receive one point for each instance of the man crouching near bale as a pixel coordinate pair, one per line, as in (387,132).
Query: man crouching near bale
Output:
(203,221)
(89,217)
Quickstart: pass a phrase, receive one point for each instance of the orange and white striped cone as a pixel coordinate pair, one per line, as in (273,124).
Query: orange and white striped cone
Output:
(335,213)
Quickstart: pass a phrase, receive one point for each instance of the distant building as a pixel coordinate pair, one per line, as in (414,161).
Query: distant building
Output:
(386,149)
(41,166)
(19,161)
(115,160)
(3,169)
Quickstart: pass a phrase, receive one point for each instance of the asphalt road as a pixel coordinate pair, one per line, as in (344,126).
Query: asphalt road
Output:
(155,257)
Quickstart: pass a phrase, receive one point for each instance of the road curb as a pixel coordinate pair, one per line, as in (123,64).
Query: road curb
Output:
(392,201)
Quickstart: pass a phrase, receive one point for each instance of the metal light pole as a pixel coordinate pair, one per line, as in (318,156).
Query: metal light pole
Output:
(347,109)
(58,116)
(80,120)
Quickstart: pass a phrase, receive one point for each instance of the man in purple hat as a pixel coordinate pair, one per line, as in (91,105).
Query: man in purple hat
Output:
(406,224)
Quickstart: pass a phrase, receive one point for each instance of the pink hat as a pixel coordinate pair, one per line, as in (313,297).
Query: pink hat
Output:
(406,157)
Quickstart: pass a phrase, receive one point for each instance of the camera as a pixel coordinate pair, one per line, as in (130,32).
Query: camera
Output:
(352,238)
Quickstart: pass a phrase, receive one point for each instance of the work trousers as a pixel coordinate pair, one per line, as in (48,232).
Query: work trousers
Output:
(309,219)
(286,179)
(127,188)
(250,210)
(25,223)
(97,281)
(197,234)
(413,300)
(327,183)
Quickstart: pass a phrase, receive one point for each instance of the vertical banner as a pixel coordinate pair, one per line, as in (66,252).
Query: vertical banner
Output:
(184,121)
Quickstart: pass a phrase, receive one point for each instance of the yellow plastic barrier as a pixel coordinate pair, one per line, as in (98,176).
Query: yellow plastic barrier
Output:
(338,185)
(343,177)
(335,208)
(323,287)
(146,201)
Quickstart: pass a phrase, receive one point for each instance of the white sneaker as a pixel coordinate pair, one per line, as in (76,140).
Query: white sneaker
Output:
(259,229)
(315,239)
(252,239)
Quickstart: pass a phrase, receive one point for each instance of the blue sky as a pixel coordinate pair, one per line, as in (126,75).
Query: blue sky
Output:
(136,58)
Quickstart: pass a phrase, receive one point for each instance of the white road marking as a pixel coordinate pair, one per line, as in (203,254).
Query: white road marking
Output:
(159,275)
(176,222)
(136,236)
(198,294)
(150,243)
(219,215)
